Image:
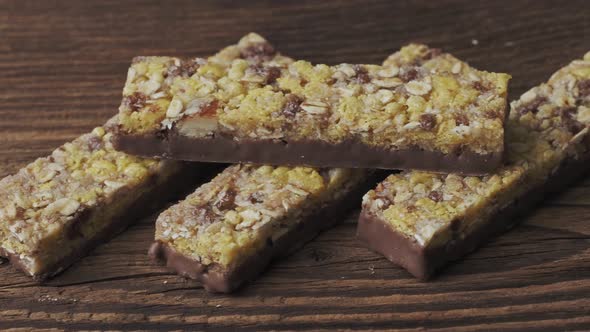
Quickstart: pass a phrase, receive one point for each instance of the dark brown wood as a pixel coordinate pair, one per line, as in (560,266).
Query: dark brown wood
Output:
(62,68)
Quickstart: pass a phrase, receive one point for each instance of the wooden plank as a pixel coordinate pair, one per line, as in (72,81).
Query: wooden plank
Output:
(63,65)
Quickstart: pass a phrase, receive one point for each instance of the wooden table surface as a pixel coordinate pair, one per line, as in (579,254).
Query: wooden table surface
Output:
(62,68)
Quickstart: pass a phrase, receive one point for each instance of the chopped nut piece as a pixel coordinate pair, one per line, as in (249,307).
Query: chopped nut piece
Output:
(174,109)
(198,126)
(200,106)
(528,96)
(67,206)
(314,107)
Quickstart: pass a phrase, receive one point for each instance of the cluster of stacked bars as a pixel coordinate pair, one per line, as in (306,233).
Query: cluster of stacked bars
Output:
(307,141)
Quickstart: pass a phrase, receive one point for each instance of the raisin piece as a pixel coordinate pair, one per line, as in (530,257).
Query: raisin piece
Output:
(292,105)
(361,74)
(435,196)
(569,120)
(427,121)
(584,88)
(269,74)
(208,215)
(255,198)
(20,213)
(533,106)
(479,86)
(489,114)
(258,51)
(272,74)
(187,68)
(408,75)
(227,201)
(461,120)
(135,101)
(94,143)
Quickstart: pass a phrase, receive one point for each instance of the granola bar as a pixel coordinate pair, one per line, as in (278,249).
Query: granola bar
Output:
(423,220)
(422,109)
(59,207)
(229,229)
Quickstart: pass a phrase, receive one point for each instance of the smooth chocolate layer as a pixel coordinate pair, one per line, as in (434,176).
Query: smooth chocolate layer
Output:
(173,187)
(349,154)
(215,278)
(424,262)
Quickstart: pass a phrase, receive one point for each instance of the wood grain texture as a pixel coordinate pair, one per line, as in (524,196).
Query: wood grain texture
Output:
(62,68)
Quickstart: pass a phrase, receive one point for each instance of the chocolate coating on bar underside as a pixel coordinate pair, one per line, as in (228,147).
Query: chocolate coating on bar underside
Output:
(422,99)
(547,129)
(351,154)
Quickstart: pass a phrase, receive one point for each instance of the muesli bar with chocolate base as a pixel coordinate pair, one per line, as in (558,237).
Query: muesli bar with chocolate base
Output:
(421,109)
(423,220)
(56,209)
(227,231)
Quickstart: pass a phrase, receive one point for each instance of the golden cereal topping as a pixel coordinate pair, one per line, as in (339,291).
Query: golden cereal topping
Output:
(46,195)
(420,97)
(547,124)
(235,214)
(160,91)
